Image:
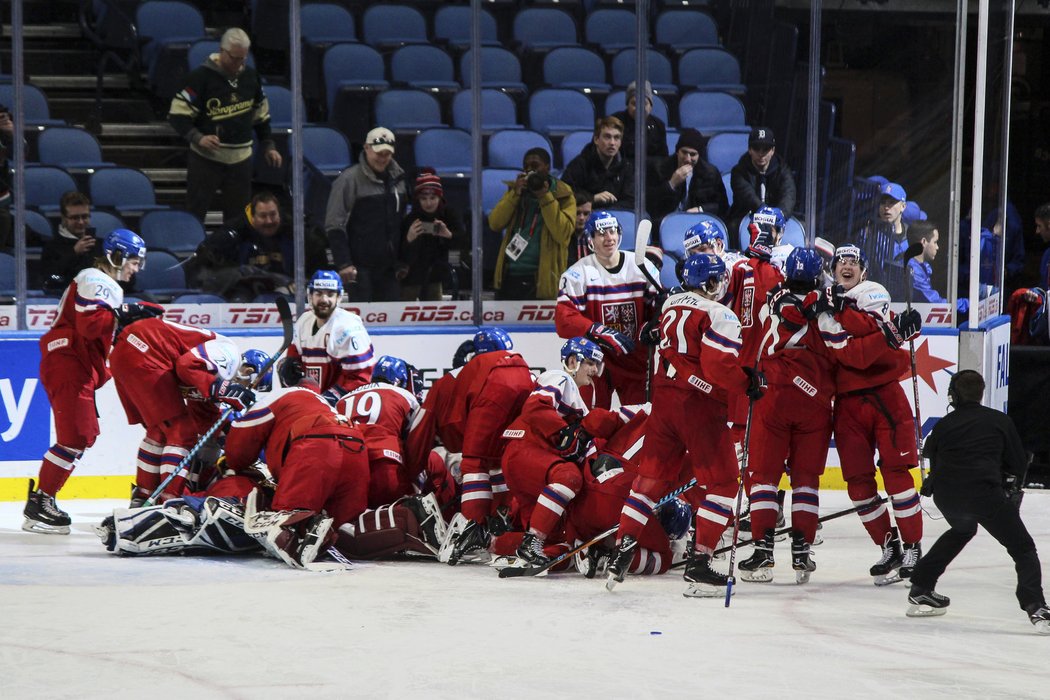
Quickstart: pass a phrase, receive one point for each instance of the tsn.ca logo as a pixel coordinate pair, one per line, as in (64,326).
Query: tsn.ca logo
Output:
(253,315)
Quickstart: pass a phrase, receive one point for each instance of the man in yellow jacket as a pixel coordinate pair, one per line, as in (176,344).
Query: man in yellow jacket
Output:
(538,218)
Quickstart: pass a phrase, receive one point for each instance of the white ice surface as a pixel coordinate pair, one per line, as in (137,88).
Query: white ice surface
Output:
(77,622)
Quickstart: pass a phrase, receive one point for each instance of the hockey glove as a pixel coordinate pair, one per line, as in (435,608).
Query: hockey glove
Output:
(463,353)
(756,387)
(836,296)
(903,328)
(572,442)
(613,341)
(290,371)
(332,395)
(233,394)
(762,242)
(816,303)
(787,307)
(651,332)
(129,313)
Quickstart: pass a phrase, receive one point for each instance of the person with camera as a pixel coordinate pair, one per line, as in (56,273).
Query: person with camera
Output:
(430,229)
(74,248)
(538,217)
(977,470)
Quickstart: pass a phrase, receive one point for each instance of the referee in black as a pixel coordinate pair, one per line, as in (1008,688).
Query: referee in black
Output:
(973,452)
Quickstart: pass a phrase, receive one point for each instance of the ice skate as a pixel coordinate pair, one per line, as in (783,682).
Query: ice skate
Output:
(1040,617)
(724,540)
(593,561)
(801,558)
(43,515)
(139,496)
(471,545)
(530,551)
(758,568)
(909,558)
(703,581)
(432,523)
(818,539)
(317,539)
(924,603)
(621,561)
(499,522)
(885,569)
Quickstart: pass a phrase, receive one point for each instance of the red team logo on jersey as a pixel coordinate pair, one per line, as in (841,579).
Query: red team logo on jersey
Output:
(620,316)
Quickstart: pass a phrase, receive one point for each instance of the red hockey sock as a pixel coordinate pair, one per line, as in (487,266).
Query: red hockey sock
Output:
(147,465)
(874,516)
(805,509)
(712,516)
(476,498)
(907,511)
(764,509)
(57,465)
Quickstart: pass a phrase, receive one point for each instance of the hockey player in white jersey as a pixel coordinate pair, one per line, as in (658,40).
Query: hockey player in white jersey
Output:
(331,344)
(606,298)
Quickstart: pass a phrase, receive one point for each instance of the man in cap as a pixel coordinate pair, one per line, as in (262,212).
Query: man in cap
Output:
(686,181)
(363,221)
(885,239)
(655,129)
(760,177)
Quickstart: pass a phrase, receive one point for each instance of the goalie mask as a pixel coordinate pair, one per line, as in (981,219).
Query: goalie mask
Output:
(582,349)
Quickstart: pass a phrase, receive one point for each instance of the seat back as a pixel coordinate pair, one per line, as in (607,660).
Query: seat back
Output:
(121,187)
(708,66)
(326,148)
(573,143)
(499,67)
(544,28)
(507,148)
(685,29)
(58,145)
(280,100)
(356,64)
(494,186)
(103,222)
(326,23)
(709,110)
(448,151)
(407,110)
(452,25)
(573,66)
(624,68)
(34,102)
(162,272)
(497,110)
(45,185)
(392,25)
(556,110)
(7,274)
(794,233)
(611,29)
(724,150)
(158,21)
(420,63)
(173,230)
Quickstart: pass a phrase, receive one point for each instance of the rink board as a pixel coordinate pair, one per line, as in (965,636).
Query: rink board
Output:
(108,467)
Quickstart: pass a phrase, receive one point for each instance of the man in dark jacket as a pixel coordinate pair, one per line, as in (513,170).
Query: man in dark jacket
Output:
(760,177)
(363,221)
(655,129)
(221,105)
(601,168)
(74,247)
(973,451)
(686,182)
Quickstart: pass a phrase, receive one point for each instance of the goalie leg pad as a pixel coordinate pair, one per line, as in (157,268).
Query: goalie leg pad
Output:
(164,529)
(222,527)
(384,532)
(292,536)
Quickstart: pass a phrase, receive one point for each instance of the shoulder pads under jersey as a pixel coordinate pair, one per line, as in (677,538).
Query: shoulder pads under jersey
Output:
(93,283)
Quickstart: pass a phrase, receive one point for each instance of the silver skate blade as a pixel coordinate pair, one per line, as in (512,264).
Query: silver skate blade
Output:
(610,583)
(887,579)
(1042,627)
(43,528)
(802,577)
(326,566)
(924,611)
(762,575)
(705,590)
(502,562)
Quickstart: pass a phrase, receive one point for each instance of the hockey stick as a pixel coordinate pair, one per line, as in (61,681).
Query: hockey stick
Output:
(786,530)
(285,313)
(731,579)
(641,240)
(516,571)
(914,250)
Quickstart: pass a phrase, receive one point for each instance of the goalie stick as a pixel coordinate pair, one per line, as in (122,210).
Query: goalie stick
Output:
(285,312)
(516,571)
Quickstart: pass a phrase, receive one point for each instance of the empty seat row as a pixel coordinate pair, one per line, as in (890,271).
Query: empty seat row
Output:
(127,191)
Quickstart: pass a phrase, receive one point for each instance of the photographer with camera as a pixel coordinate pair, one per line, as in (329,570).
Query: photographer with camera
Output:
(74,248)
(538,218)
(430,229)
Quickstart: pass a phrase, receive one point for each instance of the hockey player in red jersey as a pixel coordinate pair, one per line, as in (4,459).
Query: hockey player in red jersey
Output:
(547,443)
(385,408)
(606,297)
(872,412)
(73,366)
(331,344)
(318,459)
(699,365)
(168,377)
(467,410)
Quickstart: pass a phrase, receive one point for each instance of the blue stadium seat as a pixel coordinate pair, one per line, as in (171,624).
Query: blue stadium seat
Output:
(325,23)
(103,222)
(494,185)
(627,226)
(163,275)
(168,28)
(387,26)
(710,69)
(576,68)
(176,231)
(661,76)
(682,30)
(712,112)
(38,224)
(726,178)
(452,26)
(672,233)
(573,143)
(352,67)
(7,274)
(794,233)
(500,69)
(724,150)
(280,99)
(560,111)
(34,105)
(423,67)
(407,110)
(70,148)
(498,110)
(126,190)
(610,29)
(199,298)
(542,28)
(507,148)
(45,185)
(448,151)
(326,149)
(617,102)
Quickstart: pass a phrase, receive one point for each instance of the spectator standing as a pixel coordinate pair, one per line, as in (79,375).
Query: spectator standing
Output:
(760,177)
(74,247)
(220,106)
(363,221)
(429,230)
(580,247)
(602,169)
(537,216)
(686,182)
(926,233)
(885,240)
(655,129)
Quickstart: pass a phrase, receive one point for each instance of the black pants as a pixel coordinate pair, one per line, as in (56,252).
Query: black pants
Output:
(374,284)
(516,287)
(204,177)
(989,508)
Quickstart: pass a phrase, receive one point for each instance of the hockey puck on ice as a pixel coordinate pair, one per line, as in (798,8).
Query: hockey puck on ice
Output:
(655,632)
